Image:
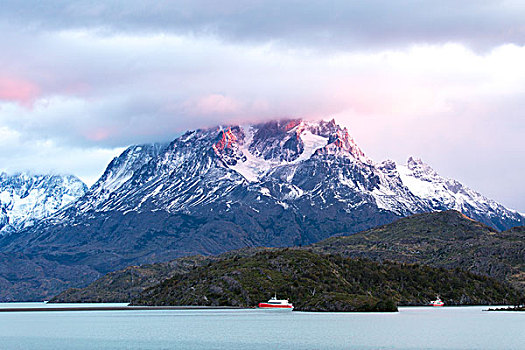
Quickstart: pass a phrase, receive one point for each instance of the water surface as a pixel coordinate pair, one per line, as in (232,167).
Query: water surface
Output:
(411,328)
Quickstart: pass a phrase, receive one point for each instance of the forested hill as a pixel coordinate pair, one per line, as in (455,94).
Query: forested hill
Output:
(446,239)
(315,282)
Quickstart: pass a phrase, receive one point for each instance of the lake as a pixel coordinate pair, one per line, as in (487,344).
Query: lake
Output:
(411,328)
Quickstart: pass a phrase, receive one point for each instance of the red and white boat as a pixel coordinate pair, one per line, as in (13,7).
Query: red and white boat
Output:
(437,302)
(275,303)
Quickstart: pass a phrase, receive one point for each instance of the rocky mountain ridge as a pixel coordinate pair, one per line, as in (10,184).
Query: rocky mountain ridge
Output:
(290,163)
(281,183)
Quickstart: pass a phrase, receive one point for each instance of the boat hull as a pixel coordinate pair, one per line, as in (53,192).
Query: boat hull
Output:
(271,306)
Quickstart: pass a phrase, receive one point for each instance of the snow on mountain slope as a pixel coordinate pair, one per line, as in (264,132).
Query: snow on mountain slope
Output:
(444,194)
(25,198)
(120,170)
(301,166)
(253,167)
(228,165)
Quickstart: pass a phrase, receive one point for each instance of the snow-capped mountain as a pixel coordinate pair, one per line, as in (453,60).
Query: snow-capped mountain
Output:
(119,171)
(300,166)
(280,183)
(443,194)
(26,198)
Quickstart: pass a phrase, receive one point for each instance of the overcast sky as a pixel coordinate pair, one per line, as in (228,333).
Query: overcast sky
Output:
(440,80)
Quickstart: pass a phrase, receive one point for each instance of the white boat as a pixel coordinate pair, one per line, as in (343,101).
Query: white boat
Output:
(437,302)
(275,303)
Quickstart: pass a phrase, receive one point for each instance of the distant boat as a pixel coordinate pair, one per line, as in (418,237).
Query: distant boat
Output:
(275,303)
(437,302)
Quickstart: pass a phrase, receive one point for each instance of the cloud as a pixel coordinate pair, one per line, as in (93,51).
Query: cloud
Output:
(42,155)
(214,104)
(443,81)
(336,24)
(112,91)
(18,90)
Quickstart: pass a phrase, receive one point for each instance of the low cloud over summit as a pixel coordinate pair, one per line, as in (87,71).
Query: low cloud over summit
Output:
(443,81)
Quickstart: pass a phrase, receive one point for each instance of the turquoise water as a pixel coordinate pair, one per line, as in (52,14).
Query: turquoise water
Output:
(411,328)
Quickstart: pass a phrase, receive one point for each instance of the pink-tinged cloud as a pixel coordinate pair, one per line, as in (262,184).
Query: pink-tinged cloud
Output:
(215,104)
(17,90)
(99,134)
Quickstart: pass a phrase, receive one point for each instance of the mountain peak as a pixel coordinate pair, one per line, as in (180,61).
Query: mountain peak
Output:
(290,163)
(337,139)
(26,197)
(413,162)
(419,168)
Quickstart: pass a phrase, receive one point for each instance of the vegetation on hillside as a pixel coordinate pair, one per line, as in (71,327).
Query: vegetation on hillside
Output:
(126,284)
(317,282)
(445,239)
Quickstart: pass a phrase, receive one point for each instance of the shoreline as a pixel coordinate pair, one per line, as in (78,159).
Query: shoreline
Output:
(119,308)
(509,308)
(92,307)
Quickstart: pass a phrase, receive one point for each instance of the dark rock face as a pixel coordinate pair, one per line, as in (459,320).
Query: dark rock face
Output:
(280,183)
